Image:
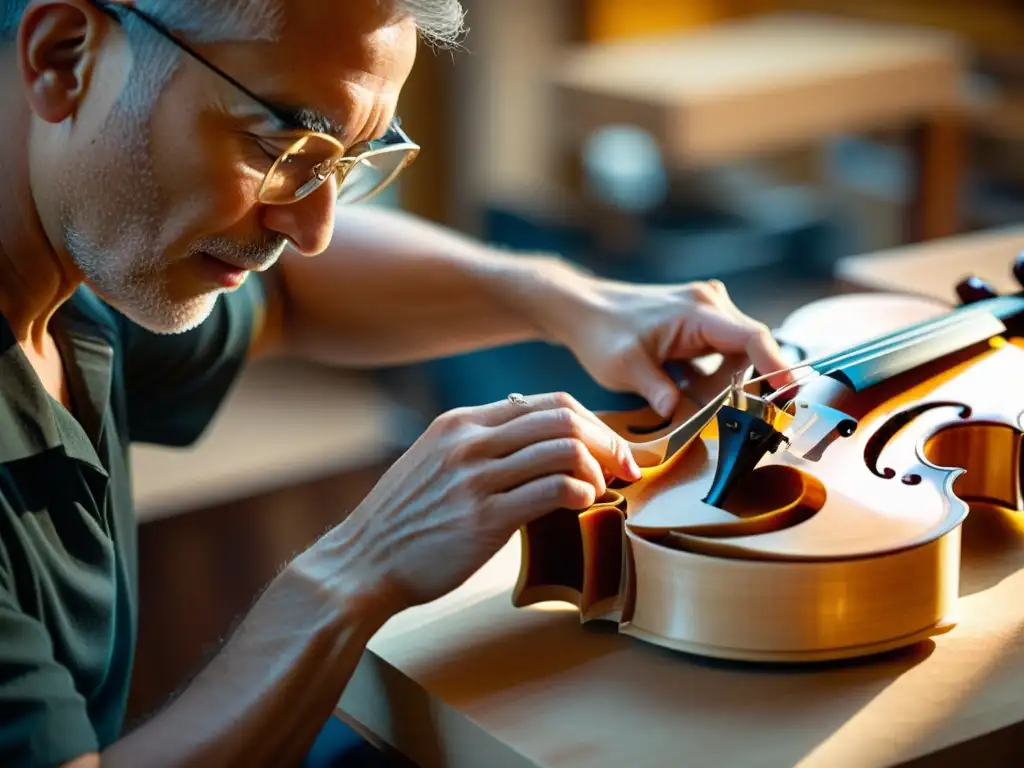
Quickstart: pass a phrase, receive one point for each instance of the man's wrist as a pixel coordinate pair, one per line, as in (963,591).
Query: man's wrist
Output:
(348,603)
(537,288)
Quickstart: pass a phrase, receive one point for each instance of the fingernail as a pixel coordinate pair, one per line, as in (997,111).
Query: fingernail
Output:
(663,406)
(632,467)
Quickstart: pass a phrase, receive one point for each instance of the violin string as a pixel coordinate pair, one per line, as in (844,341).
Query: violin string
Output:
(836,358)
(863,353)
(928,328)
(837,365)
(868,350)
(865,357)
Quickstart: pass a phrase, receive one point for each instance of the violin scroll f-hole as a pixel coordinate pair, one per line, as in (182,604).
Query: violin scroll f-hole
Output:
(877,442)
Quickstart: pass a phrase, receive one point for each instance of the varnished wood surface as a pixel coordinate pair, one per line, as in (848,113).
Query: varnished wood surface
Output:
(470,678)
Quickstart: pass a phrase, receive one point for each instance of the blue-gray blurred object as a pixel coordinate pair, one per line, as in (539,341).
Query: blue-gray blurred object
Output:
(623,169)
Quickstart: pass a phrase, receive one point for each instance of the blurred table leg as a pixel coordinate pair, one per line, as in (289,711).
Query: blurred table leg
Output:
(938,148)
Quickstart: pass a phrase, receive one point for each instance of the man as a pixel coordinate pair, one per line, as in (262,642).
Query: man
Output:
(168,168)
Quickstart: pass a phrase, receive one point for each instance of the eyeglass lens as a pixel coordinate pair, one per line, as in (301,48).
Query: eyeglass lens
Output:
(306,164)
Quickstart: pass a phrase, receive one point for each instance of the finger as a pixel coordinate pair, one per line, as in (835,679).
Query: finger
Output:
(565,455)
(708,292)
(609,449)
(540,497)
(723,300)
(721,332)
(652,381)
(503,411)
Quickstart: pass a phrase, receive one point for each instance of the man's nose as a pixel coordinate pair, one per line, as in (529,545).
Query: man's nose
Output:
(308,223)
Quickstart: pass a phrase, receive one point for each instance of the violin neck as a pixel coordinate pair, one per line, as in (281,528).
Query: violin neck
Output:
(886,356)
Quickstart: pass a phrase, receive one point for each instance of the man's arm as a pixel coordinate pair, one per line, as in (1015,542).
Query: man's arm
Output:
(474,477)
(393,289)
(266,694)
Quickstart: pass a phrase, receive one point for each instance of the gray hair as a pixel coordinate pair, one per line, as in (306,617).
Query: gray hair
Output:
(440,22)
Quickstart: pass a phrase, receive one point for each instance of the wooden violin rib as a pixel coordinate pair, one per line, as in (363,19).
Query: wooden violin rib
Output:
(827,529)
(577,558)
(794,612)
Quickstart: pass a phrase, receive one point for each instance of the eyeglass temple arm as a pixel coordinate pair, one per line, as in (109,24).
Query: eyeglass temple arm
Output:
(109,10)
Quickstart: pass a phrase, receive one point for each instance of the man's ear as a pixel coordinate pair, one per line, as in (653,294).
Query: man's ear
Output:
(58,42)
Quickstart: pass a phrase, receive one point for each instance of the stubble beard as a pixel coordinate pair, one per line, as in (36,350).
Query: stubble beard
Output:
(113,215)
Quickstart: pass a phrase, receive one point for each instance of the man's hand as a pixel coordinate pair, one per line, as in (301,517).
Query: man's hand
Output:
(624,334)
(474,476)
(435,517)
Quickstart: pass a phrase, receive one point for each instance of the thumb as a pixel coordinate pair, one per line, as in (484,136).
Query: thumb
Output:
(730,335)
(653,383)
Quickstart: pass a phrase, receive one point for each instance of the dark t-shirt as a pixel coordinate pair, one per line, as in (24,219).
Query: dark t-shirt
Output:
(67,523)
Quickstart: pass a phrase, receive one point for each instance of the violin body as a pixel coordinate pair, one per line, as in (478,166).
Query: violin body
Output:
(820,527)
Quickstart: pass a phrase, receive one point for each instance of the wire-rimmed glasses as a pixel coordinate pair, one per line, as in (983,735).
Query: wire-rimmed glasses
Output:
(361,172)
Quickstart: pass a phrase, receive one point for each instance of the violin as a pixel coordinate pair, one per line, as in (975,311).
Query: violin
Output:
(817,521)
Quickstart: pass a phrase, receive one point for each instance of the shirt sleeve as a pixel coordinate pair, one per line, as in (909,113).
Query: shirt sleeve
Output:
(45,720)
(175,383)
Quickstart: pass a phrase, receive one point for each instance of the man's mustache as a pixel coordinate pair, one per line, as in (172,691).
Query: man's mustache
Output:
(255,256)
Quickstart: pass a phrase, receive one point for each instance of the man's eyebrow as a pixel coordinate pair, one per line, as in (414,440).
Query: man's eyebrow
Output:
(309,120)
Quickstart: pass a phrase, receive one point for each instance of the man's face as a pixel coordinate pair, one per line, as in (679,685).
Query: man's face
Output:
(146,195)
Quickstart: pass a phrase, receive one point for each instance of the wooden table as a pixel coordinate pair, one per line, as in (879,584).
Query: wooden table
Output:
(470,681)
(774,82)
(934,269)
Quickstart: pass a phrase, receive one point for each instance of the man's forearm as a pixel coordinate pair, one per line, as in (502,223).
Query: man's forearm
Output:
(262,700)
(394,289)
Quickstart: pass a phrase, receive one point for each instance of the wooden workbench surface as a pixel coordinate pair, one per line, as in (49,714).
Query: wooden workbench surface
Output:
(758,84)
(471,681)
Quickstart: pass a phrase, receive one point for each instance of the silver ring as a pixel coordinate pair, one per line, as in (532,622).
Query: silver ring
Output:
(517,399)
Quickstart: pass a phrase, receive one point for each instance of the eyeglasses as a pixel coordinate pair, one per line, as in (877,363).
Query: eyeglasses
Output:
(312,159)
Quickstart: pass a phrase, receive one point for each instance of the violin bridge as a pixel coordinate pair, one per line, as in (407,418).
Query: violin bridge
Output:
(744,437)
(815,427)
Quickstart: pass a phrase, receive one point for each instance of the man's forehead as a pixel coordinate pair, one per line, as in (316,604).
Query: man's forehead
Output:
(342,79)
(335,112)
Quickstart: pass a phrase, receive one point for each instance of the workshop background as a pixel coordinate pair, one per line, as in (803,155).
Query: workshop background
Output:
(756,141)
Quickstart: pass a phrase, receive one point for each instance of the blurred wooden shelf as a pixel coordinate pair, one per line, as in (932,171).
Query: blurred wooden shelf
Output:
(991,27)
(759,84)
